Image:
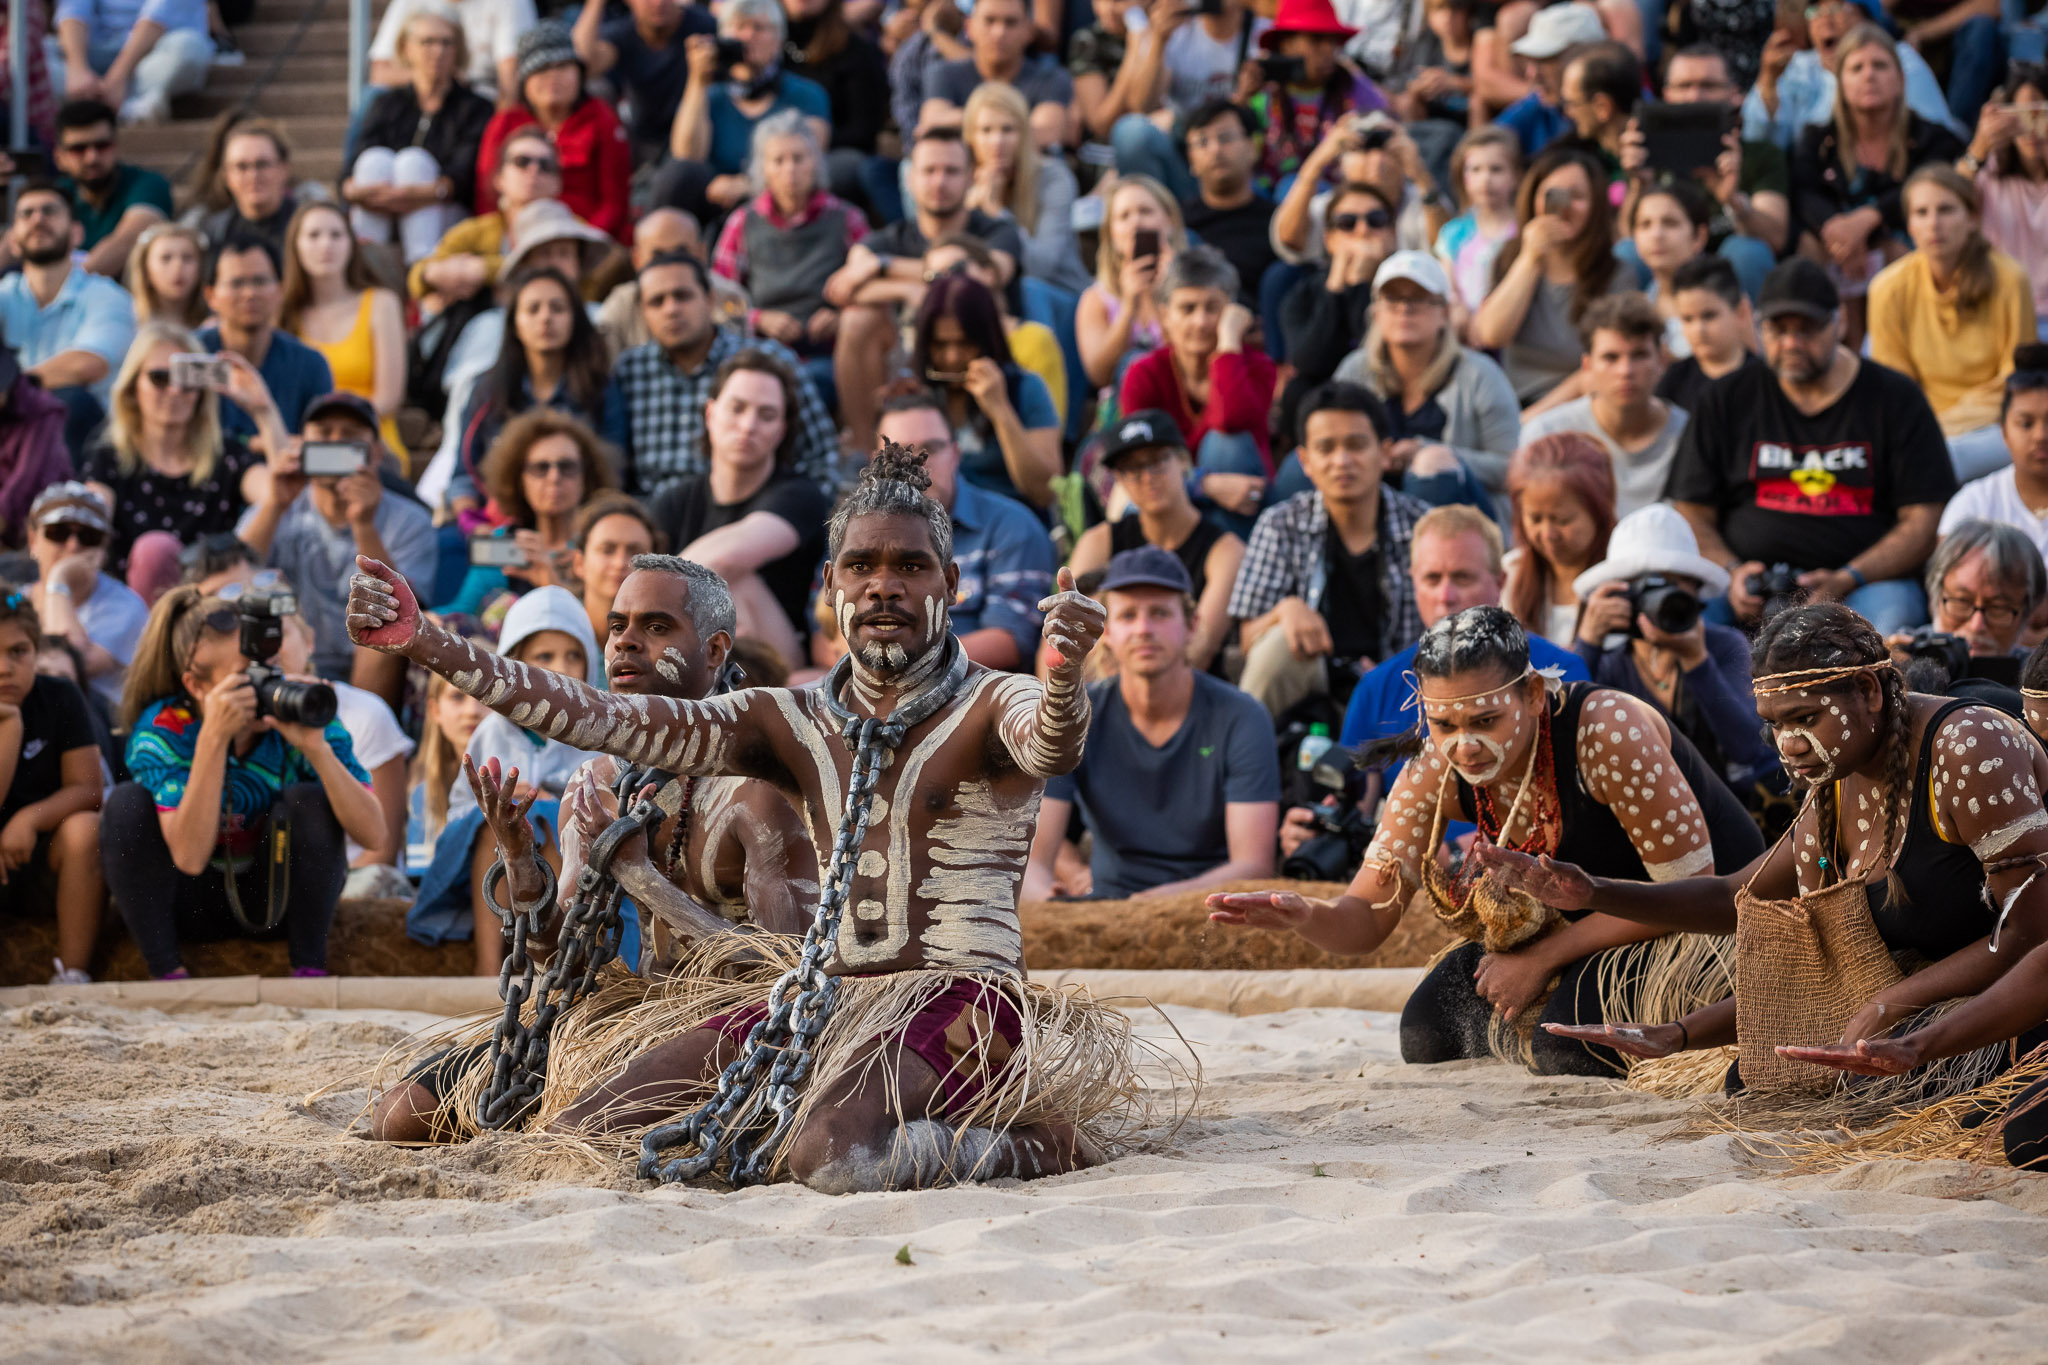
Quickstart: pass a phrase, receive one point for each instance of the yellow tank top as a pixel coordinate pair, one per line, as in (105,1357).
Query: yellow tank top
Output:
(354,362)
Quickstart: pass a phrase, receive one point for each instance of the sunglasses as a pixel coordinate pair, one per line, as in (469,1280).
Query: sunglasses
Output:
(533,163)
(221,621)
(541,469)
(1350,222)
(160,378)
(88,537)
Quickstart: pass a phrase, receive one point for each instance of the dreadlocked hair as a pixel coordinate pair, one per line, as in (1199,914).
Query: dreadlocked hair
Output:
(895,483)
(1477,639)
(1830,635)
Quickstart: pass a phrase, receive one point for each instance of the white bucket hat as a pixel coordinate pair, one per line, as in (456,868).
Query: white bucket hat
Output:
(1653,539)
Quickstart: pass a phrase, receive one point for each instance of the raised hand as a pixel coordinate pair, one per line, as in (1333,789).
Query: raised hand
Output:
(1866,1057)
(1644,1041)
(1284,910)
(383,613)
(1562,886)
(505,811)
(1073,623)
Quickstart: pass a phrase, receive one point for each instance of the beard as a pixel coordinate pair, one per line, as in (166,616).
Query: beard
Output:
(891,658)
(47,254)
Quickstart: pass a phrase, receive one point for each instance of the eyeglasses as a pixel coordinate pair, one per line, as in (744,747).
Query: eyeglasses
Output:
(541,469)
(1997,615)
(533,163)
(87,537)
(1350,222)
(91,144)
(1409,302)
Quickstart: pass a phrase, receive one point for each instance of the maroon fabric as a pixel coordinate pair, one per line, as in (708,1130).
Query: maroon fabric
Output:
(32,455)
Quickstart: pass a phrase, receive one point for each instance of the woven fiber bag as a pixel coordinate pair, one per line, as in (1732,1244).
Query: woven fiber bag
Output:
(1803,968)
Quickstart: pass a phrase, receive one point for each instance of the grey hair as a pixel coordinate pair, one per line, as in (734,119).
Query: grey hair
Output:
(2008,554)
(785,123)
(711,609)
(768,12)
(1199,267)
(1474,639)
(893,484)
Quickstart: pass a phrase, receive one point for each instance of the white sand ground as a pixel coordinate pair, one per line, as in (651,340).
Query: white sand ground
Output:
(164,1197)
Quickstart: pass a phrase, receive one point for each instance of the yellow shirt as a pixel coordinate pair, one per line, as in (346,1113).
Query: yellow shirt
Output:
(1961,363)
(483,237)
(1036,349)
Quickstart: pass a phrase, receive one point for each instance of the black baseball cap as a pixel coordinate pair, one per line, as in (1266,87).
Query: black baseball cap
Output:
(1148,566)
(1799,286)
(1142,430)
(352,404)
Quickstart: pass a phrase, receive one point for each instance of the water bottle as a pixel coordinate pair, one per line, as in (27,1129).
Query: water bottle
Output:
(1314,745)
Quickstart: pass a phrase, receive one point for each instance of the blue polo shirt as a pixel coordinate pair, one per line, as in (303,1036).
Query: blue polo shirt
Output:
(1007,564)
(90,313)
(1534,123)
(296,373)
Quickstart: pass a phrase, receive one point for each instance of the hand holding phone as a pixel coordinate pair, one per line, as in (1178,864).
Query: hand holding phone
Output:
(496,552)
(332,459)
(1145,244)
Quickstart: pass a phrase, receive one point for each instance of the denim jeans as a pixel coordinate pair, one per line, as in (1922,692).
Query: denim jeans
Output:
(1230,452)
(1978,453)
(1141,149)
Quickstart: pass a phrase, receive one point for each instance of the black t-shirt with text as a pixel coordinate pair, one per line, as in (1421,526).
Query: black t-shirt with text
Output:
(54,721)
(685,510)
(1810,491)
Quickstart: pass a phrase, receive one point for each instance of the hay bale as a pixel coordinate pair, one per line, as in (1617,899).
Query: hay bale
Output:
(1175,932)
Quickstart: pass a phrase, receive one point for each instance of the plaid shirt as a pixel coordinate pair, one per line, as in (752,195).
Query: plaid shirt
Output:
(1287,558)
(665,414)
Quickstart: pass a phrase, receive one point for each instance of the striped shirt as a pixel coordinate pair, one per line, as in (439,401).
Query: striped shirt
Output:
(1288,557)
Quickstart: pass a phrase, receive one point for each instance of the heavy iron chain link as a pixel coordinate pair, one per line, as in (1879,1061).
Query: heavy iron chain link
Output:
(746,1119)
(589,938)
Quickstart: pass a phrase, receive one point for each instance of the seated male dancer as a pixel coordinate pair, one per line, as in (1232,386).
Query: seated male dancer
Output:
(930,939)
(737,855)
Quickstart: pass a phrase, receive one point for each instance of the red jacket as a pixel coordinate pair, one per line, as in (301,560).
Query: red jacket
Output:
(1240,396)
(597,165)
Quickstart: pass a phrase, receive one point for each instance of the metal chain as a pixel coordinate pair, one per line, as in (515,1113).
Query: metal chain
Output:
(747,1117)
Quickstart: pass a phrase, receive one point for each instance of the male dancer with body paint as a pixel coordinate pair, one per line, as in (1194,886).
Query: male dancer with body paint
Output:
(961,1077)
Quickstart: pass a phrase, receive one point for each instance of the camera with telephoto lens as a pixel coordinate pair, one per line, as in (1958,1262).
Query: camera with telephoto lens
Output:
(1778,586)
(1671,608)
(262,632)
(1951,653)
(1343,832)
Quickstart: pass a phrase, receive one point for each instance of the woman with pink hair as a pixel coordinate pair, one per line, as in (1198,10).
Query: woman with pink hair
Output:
(1562,491)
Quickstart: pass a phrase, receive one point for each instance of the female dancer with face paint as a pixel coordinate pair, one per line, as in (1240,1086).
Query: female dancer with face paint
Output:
(1582,773)
(1923,813)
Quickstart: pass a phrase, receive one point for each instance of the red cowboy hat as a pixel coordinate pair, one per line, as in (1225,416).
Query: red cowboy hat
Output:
(1305,16)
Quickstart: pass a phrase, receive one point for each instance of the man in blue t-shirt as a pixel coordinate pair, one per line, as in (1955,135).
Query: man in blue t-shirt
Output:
(244,288)
(1179,766)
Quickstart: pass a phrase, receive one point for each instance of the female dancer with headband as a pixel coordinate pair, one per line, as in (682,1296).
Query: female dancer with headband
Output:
(1578,772)
(1922,810)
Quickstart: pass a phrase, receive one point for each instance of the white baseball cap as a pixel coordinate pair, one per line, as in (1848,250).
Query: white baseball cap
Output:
(1419,268)
(1556,30)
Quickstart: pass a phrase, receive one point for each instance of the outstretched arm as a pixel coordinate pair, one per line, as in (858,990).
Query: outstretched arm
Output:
(1045,726)
(1690,905)
(719,735)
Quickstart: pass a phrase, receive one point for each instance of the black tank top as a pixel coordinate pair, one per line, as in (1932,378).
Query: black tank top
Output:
(1945,909)
(1594,839)
(1193,553)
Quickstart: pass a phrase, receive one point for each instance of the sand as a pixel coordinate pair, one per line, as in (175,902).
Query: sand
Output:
(165,1197)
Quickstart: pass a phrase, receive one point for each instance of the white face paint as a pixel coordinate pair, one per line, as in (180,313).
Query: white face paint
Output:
(1465,752)
(1816,753)
(670,665)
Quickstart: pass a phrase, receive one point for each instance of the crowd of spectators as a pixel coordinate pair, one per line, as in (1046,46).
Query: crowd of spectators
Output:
(1293,326)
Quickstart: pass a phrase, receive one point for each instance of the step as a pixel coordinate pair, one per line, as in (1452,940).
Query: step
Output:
(297,70)
(277,100)
(328,37)
(186,136)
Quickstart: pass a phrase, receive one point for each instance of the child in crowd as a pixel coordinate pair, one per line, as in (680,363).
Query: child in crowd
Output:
(1485,168)
(1707,301)
(450,719)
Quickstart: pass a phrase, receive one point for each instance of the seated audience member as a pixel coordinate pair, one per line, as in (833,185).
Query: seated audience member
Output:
(1668,225)
(1598,93)
(2008,160)
(1963,45)
(750,517)
(1006,560)
(1548,275)
(1119,315)
(1325,315)
(470,257)
(32,453)
(450,719)
(1227,211)
(1795,83)
(608,532)
(1216,387)
(1561,489)
(490,35)
(999,40)
(1434,81)
(244,288)
(187,845)
(1948,314)
(416,156)
(162,277)
(256,181)
(1004,422)
(1720,330)
(590,144)
(715,120)
(1985,583)
(2016,495)
(1344,157)
(1151,465)
(1324,590)
(333,303)
(132,57)
(828,44)
(782,245)
(1817,463)
(643,53)
(886,272)
(1323,90)
(68,327)
(1849,171)
(1032,344)
(1452,415)
(1538,118)
(660,233)
(1621,410)
(546,629)
(115,202)
(550,357)
(542,468)
(97,614)
(1097,54)
(312,529)
(1485,168)
(55,658)
(1179,767)
(171,471)
(1012,179)
(668,383)
(1698,677)
(1177,58)
(50,808)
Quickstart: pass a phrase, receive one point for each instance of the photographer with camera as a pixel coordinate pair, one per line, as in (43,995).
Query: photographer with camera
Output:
(1178,765)
(1643,632)
(244,788)
(1984,584)
(1304,89)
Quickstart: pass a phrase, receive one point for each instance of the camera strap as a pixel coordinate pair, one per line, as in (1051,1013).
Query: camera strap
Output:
(277,846)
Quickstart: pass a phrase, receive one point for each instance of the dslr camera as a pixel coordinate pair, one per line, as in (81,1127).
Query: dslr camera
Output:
(262,634)
(1951,653)
(1671,608)
(1343,832)
(1778,586)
